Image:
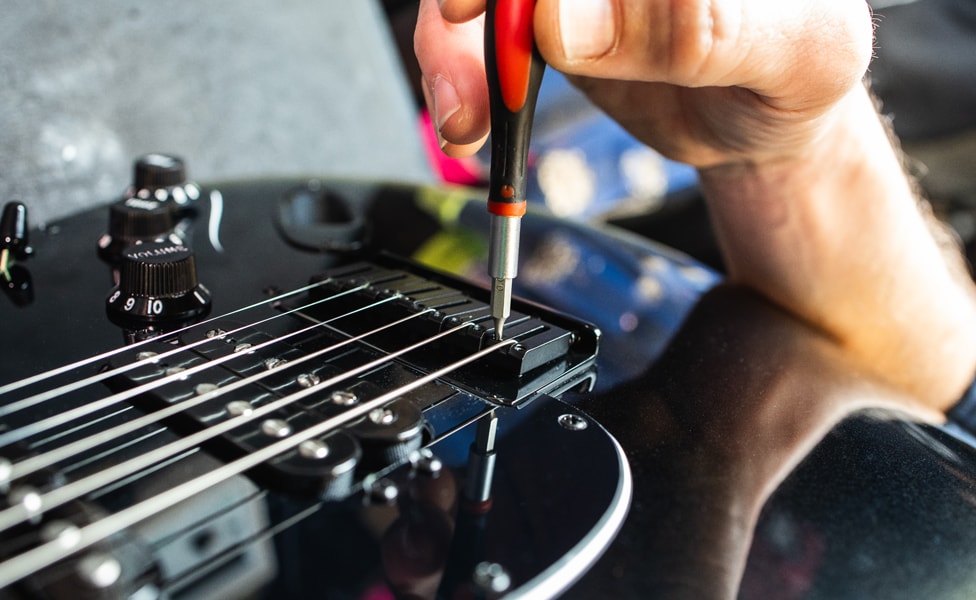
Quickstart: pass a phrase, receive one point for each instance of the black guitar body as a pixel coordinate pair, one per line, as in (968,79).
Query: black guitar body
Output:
(492,487)
(370,463)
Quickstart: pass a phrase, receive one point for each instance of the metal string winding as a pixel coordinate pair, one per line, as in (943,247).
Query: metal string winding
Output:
(50,552)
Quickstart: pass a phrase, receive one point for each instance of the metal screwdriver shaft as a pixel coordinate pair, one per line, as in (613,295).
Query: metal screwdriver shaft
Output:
(514,68)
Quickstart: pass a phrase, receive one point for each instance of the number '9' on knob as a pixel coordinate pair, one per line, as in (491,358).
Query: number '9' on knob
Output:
(157,283)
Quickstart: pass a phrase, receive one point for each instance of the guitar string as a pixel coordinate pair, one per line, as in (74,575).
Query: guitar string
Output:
(23,511)
(29,401)
(16,385)
(23,432)
(35,463)
(270,530)
(50,552)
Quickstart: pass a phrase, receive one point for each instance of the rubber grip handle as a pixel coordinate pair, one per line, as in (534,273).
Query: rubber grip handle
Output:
(514,69)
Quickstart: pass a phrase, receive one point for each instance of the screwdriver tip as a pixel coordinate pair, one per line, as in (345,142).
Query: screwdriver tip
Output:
(499,328)
(501,302)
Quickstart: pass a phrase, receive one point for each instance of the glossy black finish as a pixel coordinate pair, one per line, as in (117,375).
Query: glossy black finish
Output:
(340,548)
(765,466)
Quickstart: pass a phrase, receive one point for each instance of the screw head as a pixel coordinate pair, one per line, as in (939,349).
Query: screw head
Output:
(307,380)
(238,408)
(491,577)
(313,449)
(275,428)
(383,492)
(344,398)
(382,416)
(573,422)
(425,463)
(204,388)
(99,570)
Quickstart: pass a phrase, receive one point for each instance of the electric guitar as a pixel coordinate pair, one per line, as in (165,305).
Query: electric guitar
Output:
(274,388)
(240,389)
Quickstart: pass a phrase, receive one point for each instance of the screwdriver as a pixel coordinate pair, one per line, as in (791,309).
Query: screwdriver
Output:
(514,68)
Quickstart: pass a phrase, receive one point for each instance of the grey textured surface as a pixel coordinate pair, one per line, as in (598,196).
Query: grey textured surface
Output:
(239,88)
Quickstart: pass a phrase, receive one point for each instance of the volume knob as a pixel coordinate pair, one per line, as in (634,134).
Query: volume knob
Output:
(157,284)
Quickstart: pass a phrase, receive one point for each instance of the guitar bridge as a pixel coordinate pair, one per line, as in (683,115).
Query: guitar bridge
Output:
(550,354)
(366,335)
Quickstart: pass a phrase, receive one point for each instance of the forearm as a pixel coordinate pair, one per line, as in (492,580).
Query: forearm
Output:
(835,235)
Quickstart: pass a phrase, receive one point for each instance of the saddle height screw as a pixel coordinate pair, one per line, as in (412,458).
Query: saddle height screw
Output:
(382,416)
(239,408)
(272,363)
(573,422)
(30,500)
(204,388)
(314,449)
(307,380)
(276,428)
(344,398)
(67,534)
(99,570)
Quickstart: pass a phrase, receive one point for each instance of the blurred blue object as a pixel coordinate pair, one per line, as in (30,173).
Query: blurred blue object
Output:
(584,166)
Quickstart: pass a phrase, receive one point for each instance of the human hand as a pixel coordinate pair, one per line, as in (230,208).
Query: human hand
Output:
(706,83)
(807,196)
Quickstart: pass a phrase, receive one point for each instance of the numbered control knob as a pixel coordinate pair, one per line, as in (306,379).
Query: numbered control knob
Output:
(135,221)
(163,177)
(157,284)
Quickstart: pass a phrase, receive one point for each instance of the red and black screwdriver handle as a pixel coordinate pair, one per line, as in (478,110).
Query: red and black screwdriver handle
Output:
(514,68)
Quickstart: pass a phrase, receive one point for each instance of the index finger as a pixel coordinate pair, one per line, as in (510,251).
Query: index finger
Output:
(459,11)
(451,58)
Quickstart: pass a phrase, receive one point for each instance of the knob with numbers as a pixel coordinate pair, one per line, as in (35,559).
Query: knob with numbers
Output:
(157,284)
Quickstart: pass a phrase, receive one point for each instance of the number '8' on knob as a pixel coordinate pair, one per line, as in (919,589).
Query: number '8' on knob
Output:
(157,283)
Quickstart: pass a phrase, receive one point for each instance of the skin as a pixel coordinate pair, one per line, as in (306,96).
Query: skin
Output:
(806,192)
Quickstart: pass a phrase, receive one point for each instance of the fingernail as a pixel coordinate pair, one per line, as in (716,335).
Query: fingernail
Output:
(446,101)
(587,28)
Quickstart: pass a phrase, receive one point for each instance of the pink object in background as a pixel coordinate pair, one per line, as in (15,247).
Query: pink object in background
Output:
(461,171)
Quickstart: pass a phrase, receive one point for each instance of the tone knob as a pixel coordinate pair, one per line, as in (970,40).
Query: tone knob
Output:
(134,221)
(162,177)
(157,284)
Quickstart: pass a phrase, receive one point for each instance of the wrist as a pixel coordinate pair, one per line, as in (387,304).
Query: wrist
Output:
(833,233)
